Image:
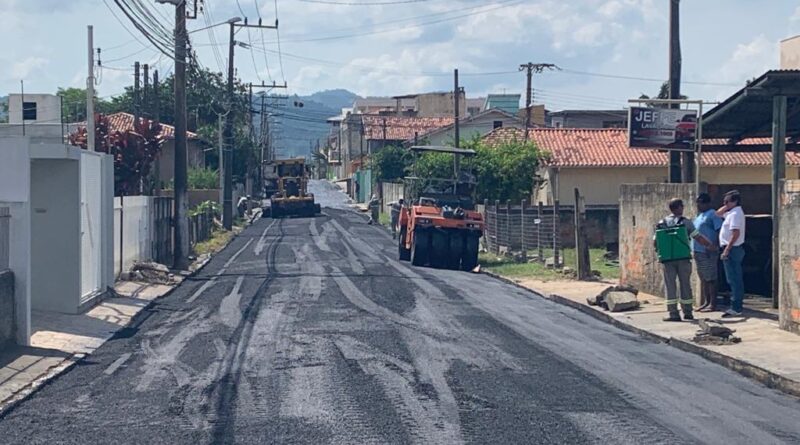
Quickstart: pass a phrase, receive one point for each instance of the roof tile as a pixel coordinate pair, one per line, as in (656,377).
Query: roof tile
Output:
(401,128)
(608,147)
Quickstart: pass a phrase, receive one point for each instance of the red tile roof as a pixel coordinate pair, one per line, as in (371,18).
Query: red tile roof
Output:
(401,128)
(124,122)
(608,147)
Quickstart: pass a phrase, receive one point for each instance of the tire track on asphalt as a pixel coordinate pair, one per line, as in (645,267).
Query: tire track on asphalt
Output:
(226,385)
(213,280)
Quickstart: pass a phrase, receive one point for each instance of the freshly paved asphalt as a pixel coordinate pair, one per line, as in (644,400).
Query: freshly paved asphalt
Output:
(310,331)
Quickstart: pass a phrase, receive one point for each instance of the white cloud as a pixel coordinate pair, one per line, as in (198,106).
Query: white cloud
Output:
(796,16)
(749,60)
(611,8)
(589,34)
(24,68)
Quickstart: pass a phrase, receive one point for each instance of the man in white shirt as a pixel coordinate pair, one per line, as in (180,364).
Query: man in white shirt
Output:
(731,243)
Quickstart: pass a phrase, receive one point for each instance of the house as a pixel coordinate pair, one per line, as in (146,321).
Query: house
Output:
(598,161)
(381,131)
(539,116)
(166,161)
(508,103)
(469,128)
(384,105)
(589,119)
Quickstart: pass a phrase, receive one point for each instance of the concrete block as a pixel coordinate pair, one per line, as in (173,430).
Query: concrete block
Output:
(7,324)
(619,301)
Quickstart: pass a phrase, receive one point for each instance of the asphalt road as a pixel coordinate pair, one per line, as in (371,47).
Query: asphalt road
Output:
(310,331)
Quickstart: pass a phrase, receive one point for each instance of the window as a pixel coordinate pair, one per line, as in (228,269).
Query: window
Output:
(29,111)
(497,124)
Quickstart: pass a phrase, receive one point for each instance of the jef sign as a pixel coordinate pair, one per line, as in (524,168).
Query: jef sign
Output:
(662,128)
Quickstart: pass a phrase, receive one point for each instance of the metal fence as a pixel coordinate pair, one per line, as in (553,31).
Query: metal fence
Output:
(163,214)
(5,228)
(533,230)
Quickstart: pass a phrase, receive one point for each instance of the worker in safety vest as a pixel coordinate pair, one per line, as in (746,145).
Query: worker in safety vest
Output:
(680,268)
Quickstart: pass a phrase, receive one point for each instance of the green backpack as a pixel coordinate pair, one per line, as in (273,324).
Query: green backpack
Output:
(672,243)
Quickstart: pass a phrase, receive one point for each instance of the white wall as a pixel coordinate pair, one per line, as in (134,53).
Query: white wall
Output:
(55,235)
(137,230)
(48,108)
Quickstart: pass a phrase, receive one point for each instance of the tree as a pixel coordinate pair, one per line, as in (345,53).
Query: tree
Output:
(390,163)
(133,151)
(663,93)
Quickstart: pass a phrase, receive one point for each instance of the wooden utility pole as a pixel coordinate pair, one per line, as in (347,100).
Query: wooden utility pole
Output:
(157,119)
(90,130)
(676,173)
(778,174)
(581,245)
(531,68)
(136,95)
(181,234)
(145,92)
(384,133)
(456,94)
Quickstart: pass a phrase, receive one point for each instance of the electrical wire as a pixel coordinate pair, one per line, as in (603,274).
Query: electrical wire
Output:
(278,34)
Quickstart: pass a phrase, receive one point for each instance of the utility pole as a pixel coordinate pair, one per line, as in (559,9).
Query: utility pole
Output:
(136,100)
(456,95)
(181,237)
(90,131)
(532,68)
(145,95)
(384,133)
(227,204)
(157,119)
(676,173)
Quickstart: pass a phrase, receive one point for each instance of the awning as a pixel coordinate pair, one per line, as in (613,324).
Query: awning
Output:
(748,112)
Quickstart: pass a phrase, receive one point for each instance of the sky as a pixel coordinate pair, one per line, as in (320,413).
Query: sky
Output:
(608,50)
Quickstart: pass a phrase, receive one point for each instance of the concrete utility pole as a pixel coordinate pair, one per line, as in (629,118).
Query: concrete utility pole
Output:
(136,100)
(181,251)
(456,94)
(531,68)
(90,130)
(157,119)
(676,173)
(227,204)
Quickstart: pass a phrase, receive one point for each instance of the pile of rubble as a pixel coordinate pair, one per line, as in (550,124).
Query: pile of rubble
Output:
(616,299)
(713,333)
(150,272)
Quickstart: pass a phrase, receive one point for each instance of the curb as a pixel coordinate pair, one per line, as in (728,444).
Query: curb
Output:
(746,369)
(8,405)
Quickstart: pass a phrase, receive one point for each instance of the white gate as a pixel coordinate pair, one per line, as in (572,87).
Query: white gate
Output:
(91,230)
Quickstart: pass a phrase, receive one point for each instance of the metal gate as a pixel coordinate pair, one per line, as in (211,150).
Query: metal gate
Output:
(163,216)
(91,246)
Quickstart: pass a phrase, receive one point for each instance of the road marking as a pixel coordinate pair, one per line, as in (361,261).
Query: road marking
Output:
(229,310)
(117,363)
(233,258)
(202,289)
(261,241)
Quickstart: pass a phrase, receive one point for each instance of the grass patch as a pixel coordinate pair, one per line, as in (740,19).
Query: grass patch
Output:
(219,239)
(508,268)
(384,219)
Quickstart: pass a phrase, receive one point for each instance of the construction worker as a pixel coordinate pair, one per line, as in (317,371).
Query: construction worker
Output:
(374,207)
(680,268)
(396,207)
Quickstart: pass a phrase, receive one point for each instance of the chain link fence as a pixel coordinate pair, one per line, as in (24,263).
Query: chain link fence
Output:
(531,230)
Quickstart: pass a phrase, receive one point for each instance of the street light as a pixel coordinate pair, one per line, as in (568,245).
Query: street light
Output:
(226,22)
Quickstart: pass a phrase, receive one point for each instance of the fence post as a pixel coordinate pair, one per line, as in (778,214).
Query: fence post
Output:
(539,231)
(508,225)
(524,205)
(556,237)
(581,247)
(497,230)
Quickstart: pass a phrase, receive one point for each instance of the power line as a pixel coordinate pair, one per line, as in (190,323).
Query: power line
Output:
(278,34)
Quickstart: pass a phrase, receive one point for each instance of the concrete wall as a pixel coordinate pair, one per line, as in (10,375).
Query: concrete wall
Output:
(166,160)
(196,197)
(137,228)
(7,324)
(790,53)
(48,108)
(390,192)
(439,105)
(55,229)
(595,120)
(790,257)
(641,207)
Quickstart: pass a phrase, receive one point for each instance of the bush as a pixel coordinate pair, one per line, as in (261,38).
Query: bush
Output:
(202,179)
(206,206)
(390,163)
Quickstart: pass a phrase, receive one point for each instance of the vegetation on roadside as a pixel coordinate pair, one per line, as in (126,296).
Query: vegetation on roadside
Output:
(219,239)
(202,179)
(502,172)
(507,267)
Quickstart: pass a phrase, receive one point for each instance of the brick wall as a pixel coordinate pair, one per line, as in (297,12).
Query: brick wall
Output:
(790,256)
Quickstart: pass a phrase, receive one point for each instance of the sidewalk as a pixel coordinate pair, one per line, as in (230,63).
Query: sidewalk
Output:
(61,340)
(766,353)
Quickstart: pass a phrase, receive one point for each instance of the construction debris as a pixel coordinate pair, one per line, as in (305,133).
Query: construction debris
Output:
(623,299)
(712,333)
(151,272)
